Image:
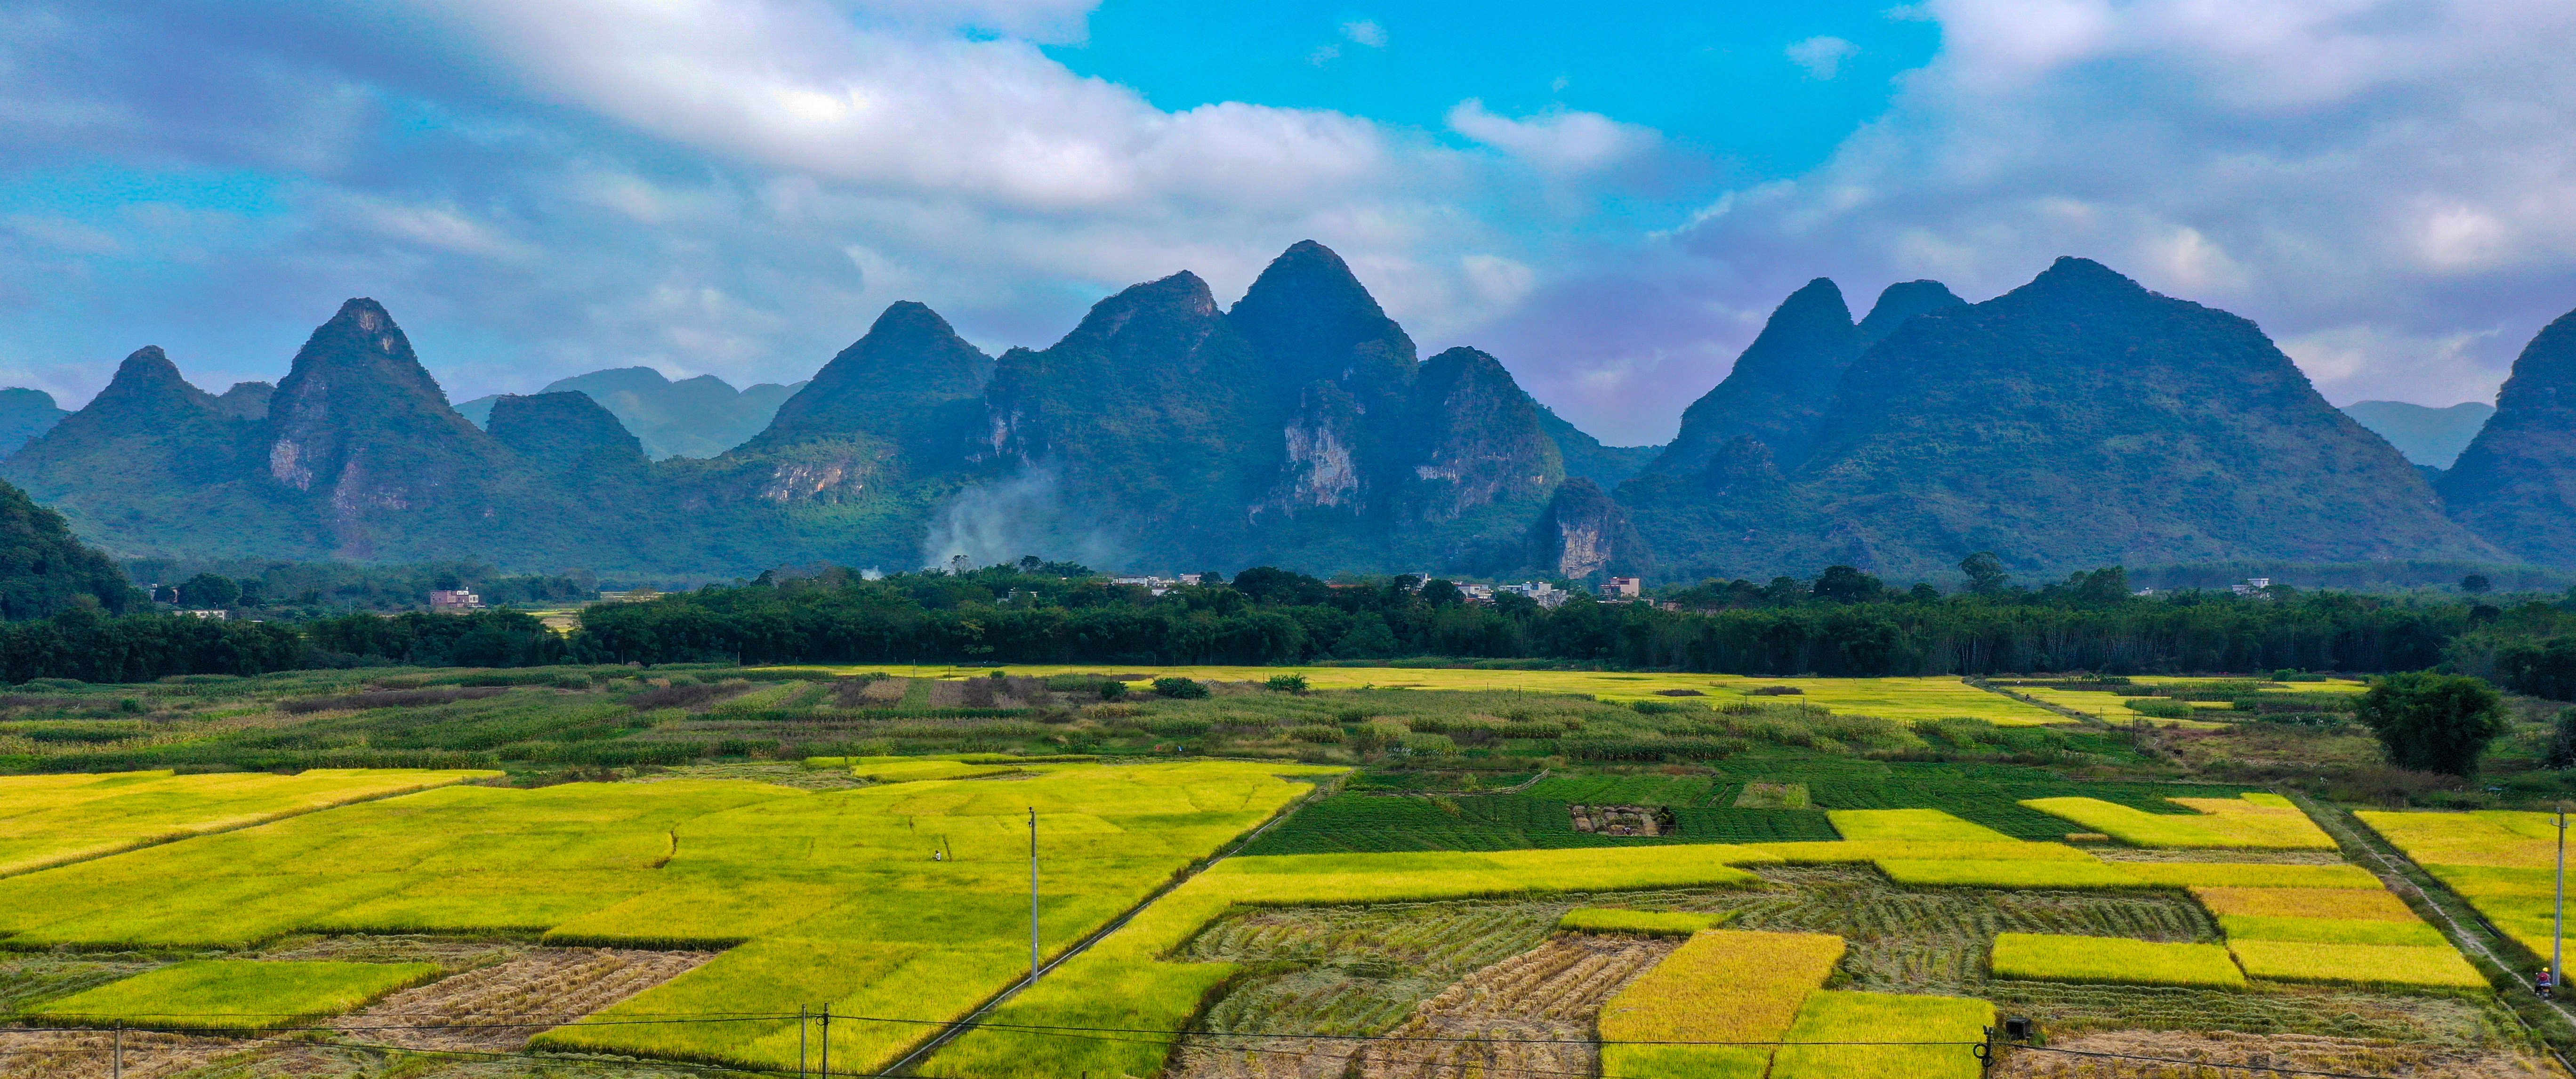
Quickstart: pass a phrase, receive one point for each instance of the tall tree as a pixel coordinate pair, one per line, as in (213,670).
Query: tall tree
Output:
(2431,722)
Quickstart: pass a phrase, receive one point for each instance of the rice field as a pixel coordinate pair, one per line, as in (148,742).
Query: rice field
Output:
(2247,822)
(1720,986)
(1126,982)
(1642,923)
(234,995)
(1953,1024)
(2047,958)
(49,820)
(2500,861)
(1903,699)
(2410,966)
(820,897)
(1920,825)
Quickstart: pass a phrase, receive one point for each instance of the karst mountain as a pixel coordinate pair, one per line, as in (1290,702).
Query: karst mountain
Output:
(2078,421)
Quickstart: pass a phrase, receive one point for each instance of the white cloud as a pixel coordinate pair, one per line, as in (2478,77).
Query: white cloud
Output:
(793,84)
(2340,171)
(1557,140)
(2345,362)
(1822,57)
(439,227)
(1365,32)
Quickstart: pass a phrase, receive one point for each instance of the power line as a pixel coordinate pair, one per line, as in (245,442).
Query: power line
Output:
(1129,1035)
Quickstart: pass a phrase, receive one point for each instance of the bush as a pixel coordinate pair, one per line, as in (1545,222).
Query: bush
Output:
(1179,689)
(1287,683)
(1112,689)
(2159,707)
(2562,741)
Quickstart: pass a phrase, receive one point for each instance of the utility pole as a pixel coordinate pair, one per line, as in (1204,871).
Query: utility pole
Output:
(2558,909)
(800,1041)
(116,1062)
(1034,894)
(827,1041)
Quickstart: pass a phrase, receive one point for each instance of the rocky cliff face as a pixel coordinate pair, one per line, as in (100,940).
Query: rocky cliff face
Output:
(360,425)
(2516,483)
(1478,440)
(1585,534)
(1323,466)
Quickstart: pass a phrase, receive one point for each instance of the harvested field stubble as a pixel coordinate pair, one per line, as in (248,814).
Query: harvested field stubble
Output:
(1547,997)
(498,1008)
(2196,1055)
(86,1054)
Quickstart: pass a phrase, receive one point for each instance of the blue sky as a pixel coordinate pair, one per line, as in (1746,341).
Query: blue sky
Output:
(1607,200)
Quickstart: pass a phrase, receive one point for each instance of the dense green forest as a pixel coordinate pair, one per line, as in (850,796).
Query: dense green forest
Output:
(1843,623)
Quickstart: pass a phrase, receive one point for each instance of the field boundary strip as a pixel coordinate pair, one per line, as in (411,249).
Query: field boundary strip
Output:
(181,835)
(2079,717)
(2394,863)
(970,1021)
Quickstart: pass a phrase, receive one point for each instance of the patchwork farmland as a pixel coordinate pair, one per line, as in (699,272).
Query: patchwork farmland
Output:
(1374,872)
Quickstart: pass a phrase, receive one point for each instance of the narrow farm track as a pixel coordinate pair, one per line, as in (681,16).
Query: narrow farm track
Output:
(904,1064)
(2080,717)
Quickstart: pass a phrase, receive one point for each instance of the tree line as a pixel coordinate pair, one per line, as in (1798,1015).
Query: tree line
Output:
(1842,623)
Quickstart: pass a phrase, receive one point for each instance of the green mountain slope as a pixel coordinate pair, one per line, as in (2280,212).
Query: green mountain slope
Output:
(693,417)
(24,414)
(2513,483)
(2077,421)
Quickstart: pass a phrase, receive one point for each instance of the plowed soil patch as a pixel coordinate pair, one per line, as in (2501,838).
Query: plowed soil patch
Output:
(2193,1055)
(1546,997)
(498,1008)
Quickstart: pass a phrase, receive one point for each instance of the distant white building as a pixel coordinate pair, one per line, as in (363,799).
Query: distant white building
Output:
(2251,586)
(1155,585)
(454,601)
(1622,588)
(1477,593)
(1540,592)
(210,615)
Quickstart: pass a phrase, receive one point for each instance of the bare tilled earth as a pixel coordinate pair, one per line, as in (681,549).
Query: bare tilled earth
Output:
(2256,1052)
(1548,996)
(85,1054)
(498,1008)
